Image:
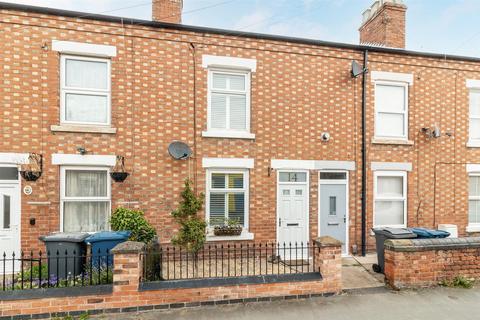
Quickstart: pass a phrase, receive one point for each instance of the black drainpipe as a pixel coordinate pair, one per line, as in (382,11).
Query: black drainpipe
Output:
(364,153)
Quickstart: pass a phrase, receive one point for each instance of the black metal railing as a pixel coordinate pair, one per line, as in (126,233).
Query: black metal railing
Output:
(55,269)
(229,260)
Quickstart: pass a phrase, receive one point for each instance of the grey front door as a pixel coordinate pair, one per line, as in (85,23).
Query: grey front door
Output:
(333,212)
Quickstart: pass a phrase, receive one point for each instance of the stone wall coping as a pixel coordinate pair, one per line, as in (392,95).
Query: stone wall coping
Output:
(327,241)
(128,247)
(413,245)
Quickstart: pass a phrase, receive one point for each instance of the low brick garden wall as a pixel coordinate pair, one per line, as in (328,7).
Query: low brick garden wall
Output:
(128,293)
(428,262)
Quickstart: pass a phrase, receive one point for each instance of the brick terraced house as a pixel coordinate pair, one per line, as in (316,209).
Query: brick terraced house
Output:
(284,137)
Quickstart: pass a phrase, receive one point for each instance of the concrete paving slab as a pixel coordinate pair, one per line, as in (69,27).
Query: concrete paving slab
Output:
(357,273)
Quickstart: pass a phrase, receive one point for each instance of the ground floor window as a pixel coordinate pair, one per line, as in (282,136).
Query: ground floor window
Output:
(390,205)
(474,200)
(85,199)
(227,196)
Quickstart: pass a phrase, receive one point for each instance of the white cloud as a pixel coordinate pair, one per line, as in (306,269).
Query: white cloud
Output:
(280,22)
(302,29)
(253,20)
(131,8)
(459,10)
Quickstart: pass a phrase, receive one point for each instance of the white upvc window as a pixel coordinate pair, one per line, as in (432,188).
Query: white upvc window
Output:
(474,202)
(228,103)
(474,128)
(85,199)
(227,196)
(391,110)
(85,90)
(390,202)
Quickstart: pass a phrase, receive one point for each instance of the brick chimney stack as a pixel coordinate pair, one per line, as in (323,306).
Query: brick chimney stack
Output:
(167,11)
(384,24)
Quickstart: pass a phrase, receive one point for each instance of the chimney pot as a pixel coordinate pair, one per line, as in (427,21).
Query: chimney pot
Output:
(167,11)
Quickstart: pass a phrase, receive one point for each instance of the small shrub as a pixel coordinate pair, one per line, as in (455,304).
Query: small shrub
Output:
(192,233)
(134,221)
(462,282)
(458,282)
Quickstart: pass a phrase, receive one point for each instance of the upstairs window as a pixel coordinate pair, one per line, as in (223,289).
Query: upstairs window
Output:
(391,110)
(85,90)
(229,101)
(474,132)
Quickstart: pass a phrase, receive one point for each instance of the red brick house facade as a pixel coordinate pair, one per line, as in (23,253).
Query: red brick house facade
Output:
(275,125)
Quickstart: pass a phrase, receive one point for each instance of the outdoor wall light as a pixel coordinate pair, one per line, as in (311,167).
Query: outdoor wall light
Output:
(434,132)
(82,150)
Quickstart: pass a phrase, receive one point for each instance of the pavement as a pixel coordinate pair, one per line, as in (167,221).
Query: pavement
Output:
(436,303)
(365,297)
(357,273)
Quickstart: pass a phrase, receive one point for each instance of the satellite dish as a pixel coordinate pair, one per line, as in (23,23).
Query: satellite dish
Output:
(179,150)
(356,69)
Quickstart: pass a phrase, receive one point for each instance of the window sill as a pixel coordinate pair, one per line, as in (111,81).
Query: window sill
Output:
(473,144)
(473,228)
(243,236)
(401,142)
(84,129)
(228,134)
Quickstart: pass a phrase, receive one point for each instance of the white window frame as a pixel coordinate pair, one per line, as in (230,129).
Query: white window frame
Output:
(376,198)
(229,133)
(245,189)
(472,142)
(404,85)
(472,227)
(64,90)
(63,197)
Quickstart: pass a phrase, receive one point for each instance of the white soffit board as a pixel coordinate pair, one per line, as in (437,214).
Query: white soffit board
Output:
(473,167)
(241,163)
(392,166)
(392,76)
(83,160)
(89,49)
(13,158)
(473,84)
(229,62)
(312,164)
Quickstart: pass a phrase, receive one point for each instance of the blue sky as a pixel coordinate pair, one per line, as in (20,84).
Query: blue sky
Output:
(443,26)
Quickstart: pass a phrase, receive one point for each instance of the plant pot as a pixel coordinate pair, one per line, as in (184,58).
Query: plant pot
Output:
(227,230)
(119,176)
(31,175)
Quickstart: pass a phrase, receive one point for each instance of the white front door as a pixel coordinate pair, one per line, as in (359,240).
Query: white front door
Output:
(292,208)
(9,216)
